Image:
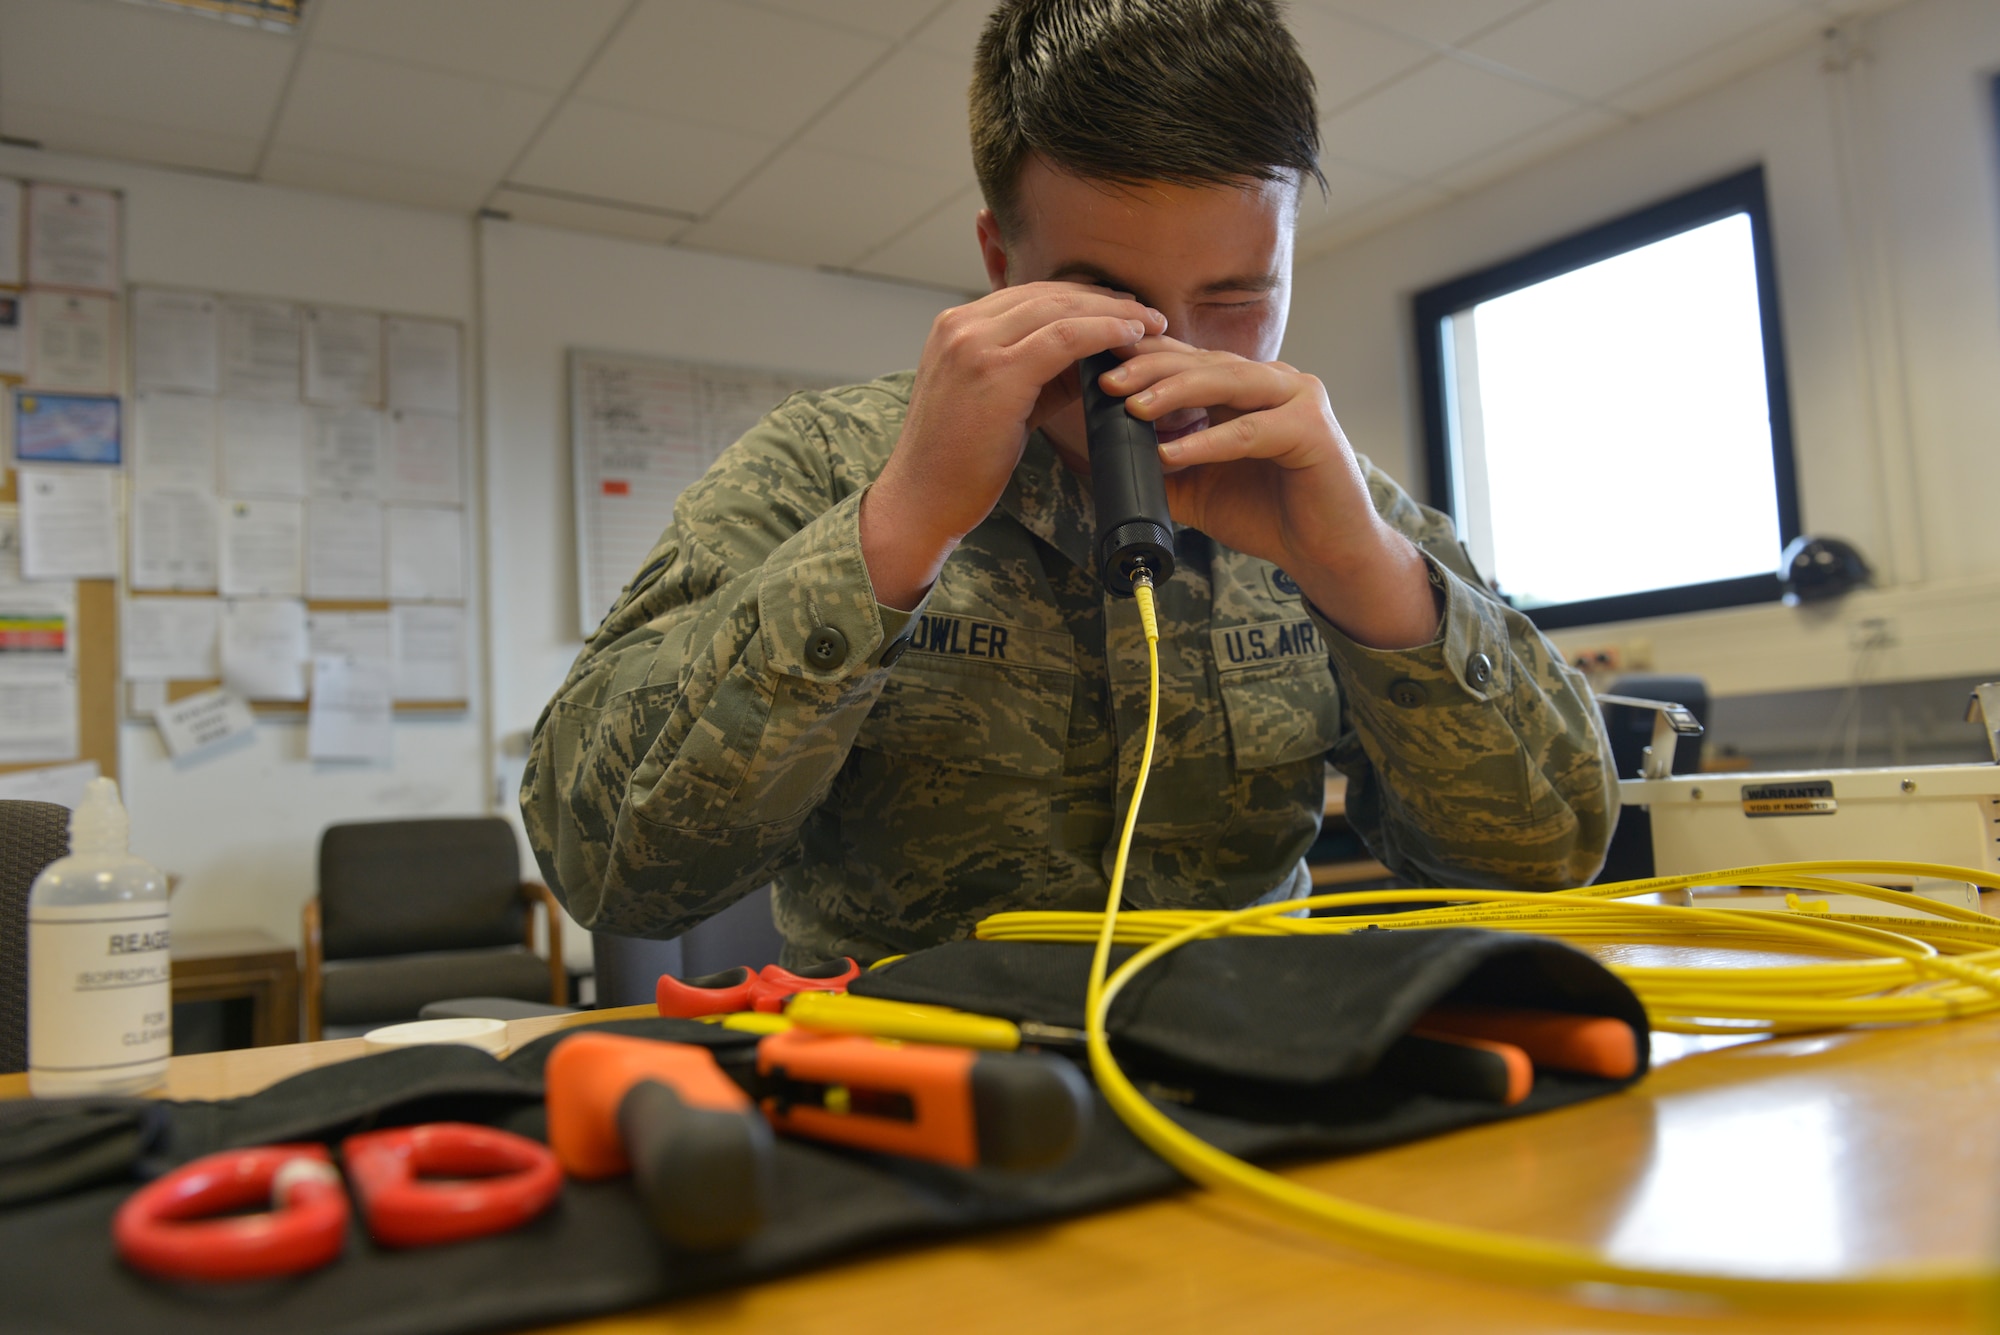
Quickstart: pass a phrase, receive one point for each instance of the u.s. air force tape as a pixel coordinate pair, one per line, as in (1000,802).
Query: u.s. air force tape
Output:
(1250,646)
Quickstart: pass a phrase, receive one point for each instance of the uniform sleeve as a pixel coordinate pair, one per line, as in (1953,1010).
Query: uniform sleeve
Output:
(712,710)
(1478,759)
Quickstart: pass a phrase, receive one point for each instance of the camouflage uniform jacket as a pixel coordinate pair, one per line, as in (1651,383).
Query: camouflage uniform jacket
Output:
(749,712)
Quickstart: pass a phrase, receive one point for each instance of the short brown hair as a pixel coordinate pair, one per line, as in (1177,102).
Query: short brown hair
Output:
(1189,92)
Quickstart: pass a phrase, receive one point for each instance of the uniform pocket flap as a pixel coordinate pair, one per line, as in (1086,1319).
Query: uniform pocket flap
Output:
(1278,691)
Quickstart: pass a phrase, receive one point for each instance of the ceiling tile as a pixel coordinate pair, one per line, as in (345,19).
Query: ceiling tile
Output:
(811,206)
(124,62)
(1436,118)
(879,18)
(1592,47)
(425,187)
(1441,21)
(1348,188)
(372,110)
(529,42)
(1493,163)
(1348,59)
(942,249)
(622,155)
(910,111)
(67,131)
(955,31)
(1718,66)
(1407,202)
(580,216)
(727,65)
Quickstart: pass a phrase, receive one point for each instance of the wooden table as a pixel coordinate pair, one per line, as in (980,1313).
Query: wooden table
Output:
(241,966)
(1794,1156)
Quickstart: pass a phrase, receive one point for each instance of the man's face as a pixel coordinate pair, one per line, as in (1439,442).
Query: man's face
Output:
(1215,260)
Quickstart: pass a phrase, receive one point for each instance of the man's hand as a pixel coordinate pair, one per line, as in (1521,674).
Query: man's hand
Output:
(1269,472)
(991,372)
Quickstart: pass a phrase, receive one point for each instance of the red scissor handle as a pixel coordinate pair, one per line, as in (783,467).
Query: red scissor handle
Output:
(504,1180)
(743,989)
(166,1229)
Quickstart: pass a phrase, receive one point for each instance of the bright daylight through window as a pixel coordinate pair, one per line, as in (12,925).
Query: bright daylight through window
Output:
(1613,436)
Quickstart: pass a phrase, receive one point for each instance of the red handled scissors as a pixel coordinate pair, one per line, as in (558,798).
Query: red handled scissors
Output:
(745,989)
(170,1228)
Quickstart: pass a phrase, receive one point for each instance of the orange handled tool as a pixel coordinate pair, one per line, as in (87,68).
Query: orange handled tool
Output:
(1555,1040)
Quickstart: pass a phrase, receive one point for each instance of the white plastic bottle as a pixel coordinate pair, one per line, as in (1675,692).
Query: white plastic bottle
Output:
(100,1010)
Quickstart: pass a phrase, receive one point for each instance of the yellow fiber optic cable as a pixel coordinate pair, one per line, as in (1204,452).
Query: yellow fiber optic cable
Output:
(1902,971)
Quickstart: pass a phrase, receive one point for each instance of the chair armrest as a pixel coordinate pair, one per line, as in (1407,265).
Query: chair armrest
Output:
(309,983)
(537,893)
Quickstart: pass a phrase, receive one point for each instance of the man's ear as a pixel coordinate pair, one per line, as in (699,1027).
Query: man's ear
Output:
(992,249)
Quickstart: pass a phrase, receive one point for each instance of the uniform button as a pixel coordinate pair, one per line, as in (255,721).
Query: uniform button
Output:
(894,651)
(1479,669)
(1408,694)
(826,648)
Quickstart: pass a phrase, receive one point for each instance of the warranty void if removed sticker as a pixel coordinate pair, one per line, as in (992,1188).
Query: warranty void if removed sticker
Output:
(1809,797)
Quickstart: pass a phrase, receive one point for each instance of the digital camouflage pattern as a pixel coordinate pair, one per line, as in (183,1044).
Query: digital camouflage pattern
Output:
(730,723)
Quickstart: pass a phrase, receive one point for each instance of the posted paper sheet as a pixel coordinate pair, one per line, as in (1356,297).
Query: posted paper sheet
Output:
(426,554)
(262,548)
(423,365)
(172,639)
(173,440)
(38,691)
(263,448)
(173,539)
(264,648)
(13,335)
(430,652)
(261,352)
(205,723)
(60,784)
(72,342)
(361,635)
(174,340)
(343,549)
(343,357)
(67,428)
(350,714)
(73,237)
(69,522)
(347,453)
(423,459)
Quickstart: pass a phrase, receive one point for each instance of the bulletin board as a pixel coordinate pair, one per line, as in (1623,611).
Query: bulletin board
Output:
(641,430)
(298,491)
(61,255)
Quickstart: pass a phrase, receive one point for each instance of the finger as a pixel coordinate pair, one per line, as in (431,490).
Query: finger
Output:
(1261,435)
(1245,386)
(1013,325)
(1153,359)
(1048,350)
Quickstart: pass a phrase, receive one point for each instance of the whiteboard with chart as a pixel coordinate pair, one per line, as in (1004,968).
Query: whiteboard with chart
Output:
(641,430)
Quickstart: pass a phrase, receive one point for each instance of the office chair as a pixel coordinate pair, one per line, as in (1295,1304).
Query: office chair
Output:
(411,912)
(32,835)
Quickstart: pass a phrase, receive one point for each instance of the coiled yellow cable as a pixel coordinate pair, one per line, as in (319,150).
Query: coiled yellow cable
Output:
(1904,971)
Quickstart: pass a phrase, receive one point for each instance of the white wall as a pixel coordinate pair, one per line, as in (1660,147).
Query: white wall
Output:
(1883,203)
(242,829)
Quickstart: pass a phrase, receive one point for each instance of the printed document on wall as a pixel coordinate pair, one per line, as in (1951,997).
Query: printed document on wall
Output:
(347,453)
(343,549)
(262,548)
(72,342)
(343,358)
(73,237)
(263,448)
(60,784)
(361,635)
(173,539)
(349,718)
(174,440)
(423,459)
(38,692)
(264,648)
(205,724)
(261,356)
(423,365)
(10,232)
(171,639)
(174,340)
(69,522)
(13,334)
(426,553)
(430,652)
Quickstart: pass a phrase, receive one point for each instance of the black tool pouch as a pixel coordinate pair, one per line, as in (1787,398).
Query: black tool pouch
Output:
(1264,1046)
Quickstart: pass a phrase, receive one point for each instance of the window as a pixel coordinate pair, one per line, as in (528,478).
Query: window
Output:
(1606,417)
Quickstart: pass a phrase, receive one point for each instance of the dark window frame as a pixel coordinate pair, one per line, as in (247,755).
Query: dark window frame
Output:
(1742,192)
